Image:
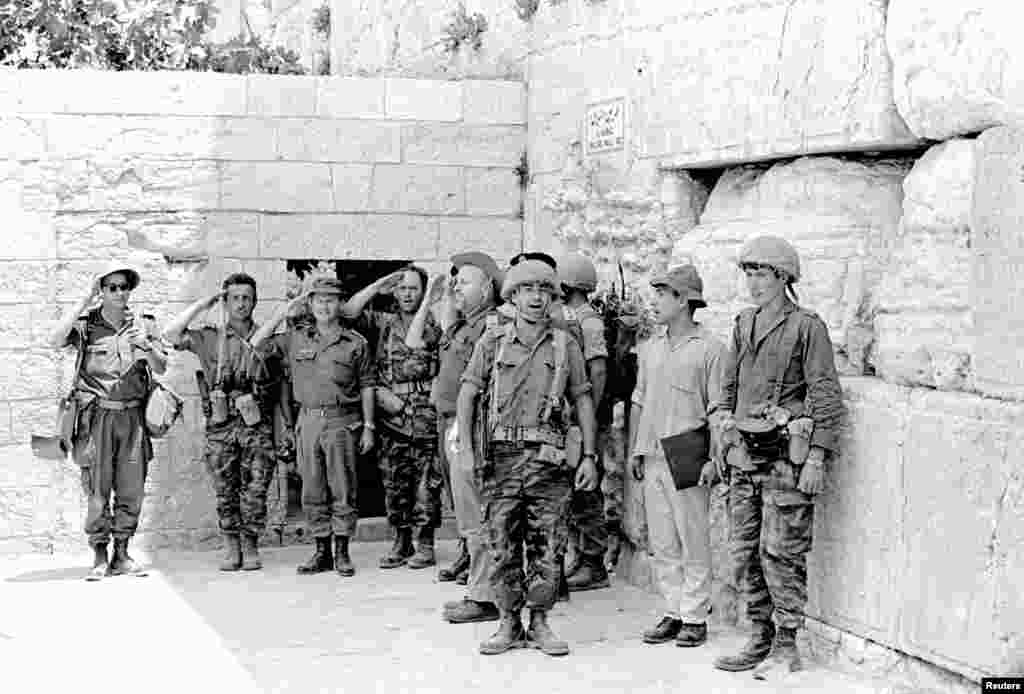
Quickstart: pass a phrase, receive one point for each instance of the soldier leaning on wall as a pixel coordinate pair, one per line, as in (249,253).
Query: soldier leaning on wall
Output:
(240,388)
(782,395)
(110,442)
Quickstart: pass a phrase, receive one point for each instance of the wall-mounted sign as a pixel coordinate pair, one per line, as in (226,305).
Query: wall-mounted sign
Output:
(605,126)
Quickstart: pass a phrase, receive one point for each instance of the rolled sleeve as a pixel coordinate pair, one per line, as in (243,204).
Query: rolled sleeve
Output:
(824,394)
(728,371)
(365,371)
(578,382)
(478,370)
(188,341)
(594,346)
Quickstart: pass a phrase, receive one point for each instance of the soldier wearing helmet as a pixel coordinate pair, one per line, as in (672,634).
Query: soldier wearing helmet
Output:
(782,405)
(588,538)
(525,371)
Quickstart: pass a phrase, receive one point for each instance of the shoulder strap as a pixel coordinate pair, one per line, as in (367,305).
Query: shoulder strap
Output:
(561,344)
(790,334)
(222,349)
(82,325)
(506,337)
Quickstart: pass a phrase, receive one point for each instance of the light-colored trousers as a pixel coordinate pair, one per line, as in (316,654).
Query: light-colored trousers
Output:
(680,542)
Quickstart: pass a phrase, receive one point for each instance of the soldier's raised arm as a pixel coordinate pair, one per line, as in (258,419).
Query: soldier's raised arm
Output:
(268,328)
(59,336)
(414,336)
(354,306)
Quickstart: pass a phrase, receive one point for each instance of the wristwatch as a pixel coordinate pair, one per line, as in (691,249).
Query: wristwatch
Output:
(370,426)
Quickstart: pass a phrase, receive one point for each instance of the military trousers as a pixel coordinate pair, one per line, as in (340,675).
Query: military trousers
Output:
(526,505)
(412,483)
(113,451)
(326,453)
(468,503)
(241,461)
(588,525)
(680,542)
(770,525)
(612,444)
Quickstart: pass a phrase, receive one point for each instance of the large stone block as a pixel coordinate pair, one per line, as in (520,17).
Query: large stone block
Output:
(20,469)
(388,236)
(22,282)
(6,437)
(955,66)
(23,326)
(501,238)
(230,234)
(997,270)
(494,103)
(22,137)
(32,91)
(292,236)
(32,417)
(100,184)
(430,143)
(839,215)
(493,191)
(339,140)
(427,100)
(418,189)
(277,187)
(353,185)
(29,374)
(350,97)
(277,95)
(145,93)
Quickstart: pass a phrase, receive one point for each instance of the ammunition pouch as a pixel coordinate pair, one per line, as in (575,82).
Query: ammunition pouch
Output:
(763,439)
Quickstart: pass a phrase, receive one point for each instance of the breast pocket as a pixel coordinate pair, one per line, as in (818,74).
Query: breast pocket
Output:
(341,371)
(686,381)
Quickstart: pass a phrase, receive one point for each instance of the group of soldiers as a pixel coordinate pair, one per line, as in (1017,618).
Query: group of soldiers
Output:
(490,386)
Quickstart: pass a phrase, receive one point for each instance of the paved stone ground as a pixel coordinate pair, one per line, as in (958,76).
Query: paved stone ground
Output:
(187,627)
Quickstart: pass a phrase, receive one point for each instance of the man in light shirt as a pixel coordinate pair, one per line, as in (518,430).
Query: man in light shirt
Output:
(676,391)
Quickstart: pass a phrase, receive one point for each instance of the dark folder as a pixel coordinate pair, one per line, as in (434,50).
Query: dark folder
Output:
(686,454)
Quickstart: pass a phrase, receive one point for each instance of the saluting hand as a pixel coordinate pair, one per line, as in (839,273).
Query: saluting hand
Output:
(436,288)
(387,284)
(212,300)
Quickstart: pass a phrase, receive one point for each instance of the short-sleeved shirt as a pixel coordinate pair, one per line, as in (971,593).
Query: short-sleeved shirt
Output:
(111,368)
(327,369)
(524,373)
(454,350)
(243,367)
(592,329)
(677,387)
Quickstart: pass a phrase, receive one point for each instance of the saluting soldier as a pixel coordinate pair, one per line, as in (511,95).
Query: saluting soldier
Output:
(408,448)
(525,371)
(239,389)
(110,444)
(332,379)
(782,393)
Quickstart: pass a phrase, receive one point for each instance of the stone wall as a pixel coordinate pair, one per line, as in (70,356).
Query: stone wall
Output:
(240,173)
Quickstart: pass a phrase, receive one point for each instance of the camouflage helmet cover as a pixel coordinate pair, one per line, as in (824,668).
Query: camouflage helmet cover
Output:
(772,251)
(527,272)
(577,271)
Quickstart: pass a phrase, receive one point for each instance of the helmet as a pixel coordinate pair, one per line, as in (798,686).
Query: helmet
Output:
(774,252)
(526,272)
(577,271)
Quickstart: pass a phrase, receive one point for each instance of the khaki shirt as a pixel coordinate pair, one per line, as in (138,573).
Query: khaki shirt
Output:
(524,374)
(677,387)
(592,328)
(111,368)
(455,349)
(243,367)
(327,370)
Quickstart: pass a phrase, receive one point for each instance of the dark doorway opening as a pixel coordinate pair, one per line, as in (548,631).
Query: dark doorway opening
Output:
(354,275)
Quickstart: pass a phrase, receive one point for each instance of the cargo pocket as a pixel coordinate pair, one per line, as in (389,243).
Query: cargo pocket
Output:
(788,522)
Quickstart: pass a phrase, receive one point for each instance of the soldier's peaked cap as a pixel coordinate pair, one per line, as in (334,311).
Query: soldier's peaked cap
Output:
(478,260)
(326,285)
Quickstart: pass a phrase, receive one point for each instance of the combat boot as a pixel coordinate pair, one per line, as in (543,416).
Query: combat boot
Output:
(122,563)
(424,556)
(321,560)
(755,650)
(611,557)
(342,563)
(541,637)
(250,553)
(460,564)
(784,657)
(591,575)
(469,611)
(100,563)
(510,634)
(563,588)
(232,560)
(401,549)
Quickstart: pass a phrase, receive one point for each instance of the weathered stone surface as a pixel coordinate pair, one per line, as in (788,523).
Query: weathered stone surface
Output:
(997,271)
(29,374)
(394,236)
(423,189)
(923,325)
(142,93)
(955,66)
(278,187)
(268,95)
(22,138)
(32,417)
(291,236)
(26,325)
(6,437)
(493,191)
(26,281)
(350,97)
(838,214)
(352,184)
(488,102)
(502,238)
(411,99)
(318,139)
(271,276)
(433,143)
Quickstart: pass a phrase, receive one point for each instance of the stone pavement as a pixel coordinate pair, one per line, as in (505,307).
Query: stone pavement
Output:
(187,627)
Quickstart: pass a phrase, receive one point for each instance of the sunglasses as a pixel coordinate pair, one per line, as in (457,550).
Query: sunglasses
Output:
(114,287)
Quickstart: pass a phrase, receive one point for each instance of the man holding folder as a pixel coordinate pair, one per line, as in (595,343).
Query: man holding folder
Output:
(676,391)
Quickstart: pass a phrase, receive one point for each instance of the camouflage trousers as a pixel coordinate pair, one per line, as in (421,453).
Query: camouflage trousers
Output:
(612,444)
(240,460)
(412,481)
(526,504)
(588,519)
(770,525)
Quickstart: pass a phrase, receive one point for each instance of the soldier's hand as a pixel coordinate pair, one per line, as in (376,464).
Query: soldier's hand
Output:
(436,289)
(636,467)
(586,475)
(709,474)
(137,336)
(211,301)
(812,478)
(299,301)
(387,284)
(366,440)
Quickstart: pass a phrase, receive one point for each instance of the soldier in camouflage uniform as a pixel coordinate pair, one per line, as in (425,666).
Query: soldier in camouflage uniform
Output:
(523,372)
(239,449)
(781,390)
(408,452)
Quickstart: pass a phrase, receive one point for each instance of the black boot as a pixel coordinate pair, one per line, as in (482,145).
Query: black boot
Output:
(100,563)
(541,637)
(342,563)
(250,553)
(563,584)
(755,650)
(401,550)
(460,565)
(611,557)
(424,556)
(122,563)
(510,634)
(321,560)
(664,631)
(232,560)
(784,657)
(591,575)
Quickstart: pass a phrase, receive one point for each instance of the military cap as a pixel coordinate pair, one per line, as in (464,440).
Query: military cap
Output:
(533,255)
(527,272)
(131,275)
(685,281)
(482,261)
(774,252)
(326,285)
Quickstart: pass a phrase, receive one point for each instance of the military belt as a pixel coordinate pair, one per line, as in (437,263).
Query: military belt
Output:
(512,434)
(406,387)
(330,410)
(118,404)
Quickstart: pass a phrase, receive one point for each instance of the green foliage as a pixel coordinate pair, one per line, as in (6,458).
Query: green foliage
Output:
(464,30)
(322,21)
(128,35)
(525,9)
